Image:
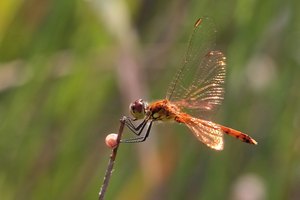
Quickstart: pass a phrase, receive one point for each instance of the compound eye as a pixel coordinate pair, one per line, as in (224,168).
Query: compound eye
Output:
(137,109)
(138,106)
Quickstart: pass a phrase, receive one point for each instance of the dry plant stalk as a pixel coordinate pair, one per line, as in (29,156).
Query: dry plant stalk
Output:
(111,161)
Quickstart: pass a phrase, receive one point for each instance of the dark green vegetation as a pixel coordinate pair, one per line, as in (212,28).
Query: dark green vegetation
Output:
(69,69)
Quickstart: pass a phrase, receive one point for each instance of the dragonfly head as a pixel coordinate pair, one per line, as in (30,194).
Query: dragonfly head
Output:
(138,108)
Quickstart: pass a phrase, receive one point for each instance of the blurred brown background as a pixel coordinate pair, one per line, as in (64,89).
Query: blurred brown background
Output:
(69,69)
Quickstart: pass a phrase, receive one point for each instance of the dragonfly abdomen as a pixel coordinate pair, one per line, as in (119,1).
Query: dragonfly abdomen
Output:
(239,135)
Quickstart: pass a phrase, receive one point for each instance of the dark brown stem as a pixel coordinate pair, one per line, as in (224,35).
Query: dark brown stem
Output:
(111,162)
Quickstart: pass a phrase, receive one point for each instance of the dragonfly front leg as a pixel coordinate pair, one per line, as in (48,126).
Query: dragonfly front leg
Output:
(137,130)
(140,138)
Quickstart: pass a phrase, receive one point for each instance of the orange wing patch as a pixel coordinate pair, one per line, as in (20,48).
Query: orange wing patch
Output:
(207,132)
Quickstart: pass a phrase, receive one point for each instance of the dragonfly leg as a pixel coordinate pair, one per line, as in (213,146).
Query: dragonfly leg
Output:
(132,127)
(139,138)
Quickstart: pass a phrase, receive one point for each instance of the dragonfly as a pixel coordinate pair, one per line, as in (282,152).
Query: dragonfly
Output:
(198,87)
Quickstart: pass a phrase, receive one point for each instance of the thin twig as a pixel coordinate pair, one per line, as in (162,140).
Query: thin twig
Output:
(111,162)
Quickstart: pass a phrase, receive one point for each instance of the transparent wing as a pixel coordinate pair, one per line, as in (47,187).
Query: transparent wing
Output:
(206,91)
(199,83)
(207,132)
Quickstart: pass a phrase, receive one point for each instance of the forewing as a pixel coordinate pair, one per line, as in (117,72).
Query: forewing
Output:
(199,83)
(207,132)
(201,41)
(206,91)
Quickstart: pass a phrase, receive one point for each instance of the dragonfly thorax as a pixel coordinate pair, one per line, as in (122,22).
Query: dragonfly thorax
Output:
(138,109)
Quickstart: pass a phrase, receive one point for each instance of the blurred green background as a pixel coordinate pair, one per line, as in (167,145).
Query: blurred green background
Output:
(69,69)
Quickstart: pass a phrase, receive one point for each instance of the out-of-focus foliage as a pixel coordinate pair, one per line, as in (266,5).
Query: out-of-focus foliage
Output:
(60,95)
